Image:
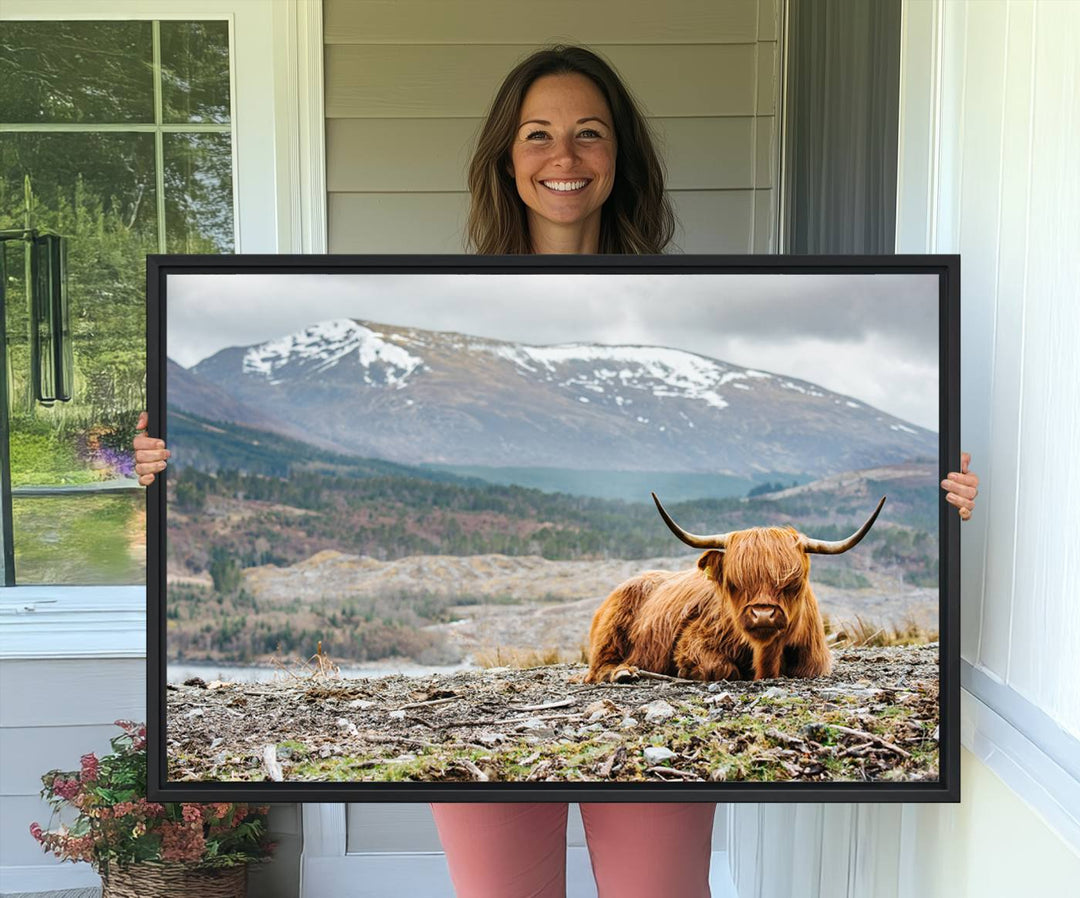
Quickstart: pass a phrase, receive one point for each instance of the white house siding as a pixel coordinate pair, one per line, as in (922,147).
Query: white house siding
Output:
(54,710)
(989,143)
(408,82)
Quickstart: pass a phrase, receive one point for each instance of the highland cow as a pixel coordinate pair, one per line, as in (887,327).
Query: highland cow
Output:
(746,611)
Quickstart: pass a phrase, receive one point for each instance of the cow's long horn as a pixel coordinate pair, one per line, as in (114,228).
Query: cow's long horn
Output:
(829,547)
(716,541)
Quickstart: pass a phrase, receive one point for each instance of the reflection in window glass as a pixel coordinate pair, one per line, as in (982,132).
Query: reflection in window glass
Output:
(55,72)
(105,175)
(82,540)
(195,72)
(198,193)
(98,187)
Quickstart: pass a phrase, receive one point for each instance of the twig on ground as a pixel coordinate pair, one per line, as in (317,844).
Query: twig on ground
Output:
(477,773)
(882,742)
(562,703)
(650,675)
(684,774)
(434,701)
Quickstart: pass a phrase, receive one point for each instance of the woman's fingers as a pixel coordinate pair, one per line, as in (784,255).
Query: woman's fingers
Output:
(960,501)
(964,506)
(150,452)
(147,443)
(965,485)
(961,487)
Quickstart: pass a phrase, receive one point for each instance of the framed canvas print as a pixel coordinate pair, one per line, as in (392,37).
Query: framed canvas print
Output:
(553,528)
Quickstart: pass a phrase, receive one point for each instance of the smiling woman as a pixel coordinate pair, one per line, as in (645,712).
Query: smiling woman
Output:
(563,162)
(560,118)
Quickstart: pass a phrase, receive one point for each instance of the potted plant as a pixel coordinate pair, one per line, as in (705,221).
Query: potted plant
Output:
(141,847)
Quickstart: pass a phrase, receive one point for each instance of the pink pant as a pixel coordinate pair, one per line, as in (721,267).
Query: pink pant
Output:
(499,850)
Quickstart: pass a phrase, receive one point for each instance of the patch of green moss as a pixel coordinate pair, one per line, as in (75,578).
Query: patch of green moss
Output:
(293,749)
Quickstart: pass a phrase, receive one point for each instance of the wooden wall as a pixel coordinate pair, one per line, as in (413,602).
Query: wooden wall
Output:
(409,81)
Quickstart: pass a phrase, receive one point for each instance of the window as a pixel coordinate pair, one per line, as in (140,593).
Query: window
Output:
(116,135)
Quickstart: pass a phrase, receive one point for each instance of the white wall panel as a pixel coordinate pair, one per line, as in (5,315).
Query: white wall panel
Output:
(1046,622)
(28,752)
(979,170)
(1013,226)
(76,692)
(386,826)
(53,712)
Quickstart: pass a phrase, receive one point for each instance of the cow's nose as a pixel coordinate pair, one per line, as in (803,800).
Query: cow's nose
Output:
(764,615)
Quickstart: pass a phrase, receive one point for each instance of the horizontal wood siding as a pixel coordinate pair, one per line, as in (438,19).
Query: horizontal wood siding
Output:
(409,81)
(477,22)
(380,155)
(55,711)
(397,222)
(408,84)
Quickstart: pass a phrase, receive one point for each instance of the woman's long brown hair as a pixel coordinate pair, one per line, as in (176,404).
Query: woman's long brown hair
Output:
(637,216)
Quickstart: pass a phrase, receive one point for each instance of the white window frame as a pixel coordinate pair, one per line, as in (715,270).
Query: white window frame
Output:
(279,202)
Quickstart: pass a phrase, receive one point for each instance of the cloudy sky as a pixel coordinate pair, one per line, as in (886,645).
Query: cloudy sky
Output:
(872,337)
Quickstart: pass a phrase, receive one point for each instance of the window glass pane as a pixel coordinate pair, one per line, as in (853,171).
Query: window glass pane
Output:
(98,191)
(195,72)
(76,72)
(198,193)
(81,540)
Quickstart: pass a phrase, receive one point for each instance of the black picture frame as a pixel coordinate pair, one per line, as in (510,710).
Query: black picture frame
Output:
(946,268)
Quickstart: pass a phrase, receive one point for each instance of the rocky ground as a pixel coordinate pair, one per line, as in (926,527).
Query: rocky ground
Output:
(875,718)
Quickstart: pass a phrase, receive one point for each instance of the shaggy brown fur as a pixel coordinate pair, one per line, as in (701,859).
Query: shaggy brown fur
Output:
(746,612)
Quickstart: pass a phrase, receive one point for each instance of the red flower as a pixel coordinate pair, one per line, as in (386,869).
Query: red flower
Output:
(181,842)
(192,813)
(151,808)
(66,789)
(89,768)
(36,832)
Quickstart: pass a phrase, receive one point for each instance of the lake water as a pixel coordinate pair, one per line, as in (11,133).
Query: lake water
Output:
(177,673)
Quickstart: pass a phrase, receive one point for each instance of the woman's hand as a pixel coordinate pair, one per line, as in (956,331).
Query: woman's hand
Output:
(961,487)
(150,454)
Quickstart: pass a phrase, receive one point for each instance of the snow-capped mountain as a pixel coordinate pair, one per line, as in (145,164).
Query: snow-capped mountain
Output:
(417,396)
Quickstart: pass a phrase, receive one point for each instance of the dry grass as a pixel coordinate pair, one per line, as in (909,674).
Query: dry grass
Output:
(504,656)
(861,632)
(318,665)
(841,634)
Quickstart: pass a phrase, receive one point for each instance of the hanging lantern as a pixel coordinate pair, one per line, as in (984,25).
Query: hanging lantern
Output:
(51,360)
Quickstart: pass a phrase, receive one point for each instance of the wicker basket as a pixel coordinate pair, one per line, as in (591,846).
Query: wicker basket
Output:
(170,880)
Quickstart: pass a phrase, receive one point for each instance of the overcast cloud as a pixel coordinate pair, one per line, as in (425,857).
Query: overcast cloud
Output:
(872,337)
